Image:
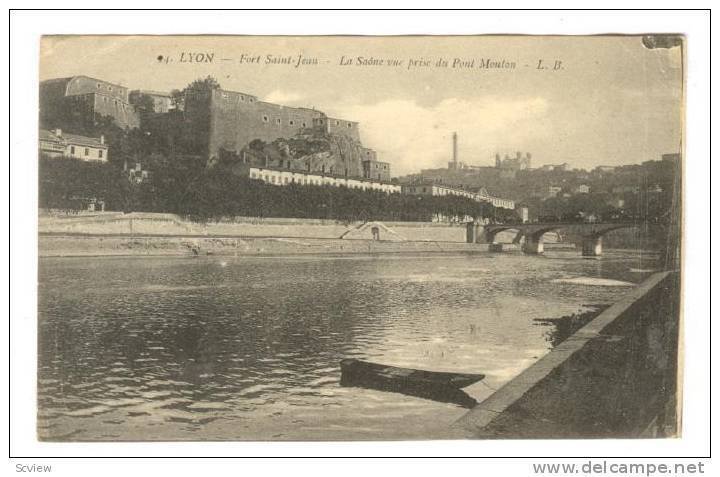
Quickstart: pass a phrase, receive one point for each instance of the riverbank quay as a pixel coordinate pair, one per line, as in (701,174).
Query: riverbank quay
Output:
(160,224)
(151,234)
(99,246)
(615,377)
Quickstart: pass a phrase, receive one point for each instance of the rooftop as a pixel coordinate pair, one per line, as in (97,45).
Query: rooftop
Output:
(76,139)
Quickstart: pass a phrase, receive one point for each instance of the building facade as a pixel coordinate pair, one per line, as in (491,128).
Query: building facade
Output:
(582,189)
(85,99)
(57,144)
(551,191)
(376,170)
(283,177)
(440,190)
(556,167)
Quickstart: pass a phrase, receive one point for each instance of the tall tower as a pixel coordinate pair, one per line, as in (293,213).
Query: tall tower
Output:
(455,150)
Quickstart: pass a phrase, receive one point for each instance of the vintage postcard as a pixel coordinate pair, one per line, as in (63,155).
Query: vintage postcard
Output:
(351,238)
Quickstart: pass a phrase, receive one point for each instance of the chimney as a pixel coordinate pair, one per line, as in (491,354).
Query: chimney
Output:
(455,151)
(58,132)
(102,139)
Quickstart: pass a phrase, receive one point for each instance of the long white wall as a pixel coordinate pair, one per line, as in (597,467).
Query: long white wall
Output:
(282,177)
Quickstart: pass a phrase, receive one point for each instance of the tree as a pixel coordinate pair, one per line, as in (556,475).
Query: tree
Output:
(204,84)
(65,183)
(177,98)
(144,105)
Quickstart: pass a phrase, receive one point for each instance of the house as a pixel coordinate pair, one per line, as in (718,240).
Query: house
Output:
(551,191)
(582,189)
(556,167)
(136,174)
(55,143)
(626,189)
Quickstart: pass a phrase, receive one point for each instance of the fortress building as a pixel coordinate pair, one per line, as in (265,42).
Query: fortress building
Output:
(222,121)
(82,100)
(214,124)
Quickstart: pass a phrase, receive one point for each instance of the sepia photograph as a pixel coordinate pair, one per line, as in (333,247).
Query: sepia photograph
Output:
(353,238)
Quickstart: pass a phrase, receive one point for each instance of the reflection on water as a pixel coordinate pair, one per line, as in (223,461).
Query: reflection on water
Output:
(249,348)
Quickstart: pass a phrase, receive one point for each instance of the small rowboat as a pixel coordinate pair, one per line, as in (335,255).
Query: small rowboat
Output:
(438,386)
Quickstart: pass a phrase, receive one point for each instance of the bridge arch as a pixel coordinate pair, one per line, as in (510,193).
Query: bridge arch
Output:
(590,234)
(491,231)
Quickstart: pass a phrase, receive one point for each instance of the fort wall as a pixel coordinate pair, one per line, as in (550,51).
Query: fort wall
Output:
(237,118)
(230,120)
(84,98)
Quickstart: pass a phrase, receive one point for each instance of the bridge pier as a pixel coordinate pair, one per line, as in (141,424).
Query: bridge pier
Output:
(533,245)
(472,235)
(592,246)
(495,247)
(482,235)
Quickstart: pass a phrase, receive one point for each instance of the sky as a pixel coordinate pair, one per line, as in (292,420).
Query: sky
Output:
(611,101)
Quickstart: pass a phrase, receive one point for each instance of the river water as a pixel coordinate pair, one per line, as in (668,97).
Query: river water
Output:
(223,348)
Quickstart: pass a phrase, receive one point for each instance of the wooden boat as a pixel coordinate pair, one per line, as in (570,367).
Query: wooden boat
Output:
(438,386)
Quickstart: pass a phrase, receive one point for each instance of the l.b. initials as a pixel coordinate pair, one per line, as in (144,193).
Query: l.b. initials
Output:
(555,67)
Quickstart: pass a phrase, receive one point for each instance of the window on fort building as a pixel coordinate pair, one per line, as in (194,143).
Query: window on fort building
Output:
(349,125)
(292,123)
(286,180)
(87,151)
(304,124)
(100,153)
(242,98)
(277,121)
(265,119)
(72,149)
(98,85)
(109,88)
(337,123)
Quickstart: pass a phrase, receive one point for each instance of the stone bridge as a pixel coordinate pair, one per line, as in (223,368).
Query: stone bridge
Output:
(591,234)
